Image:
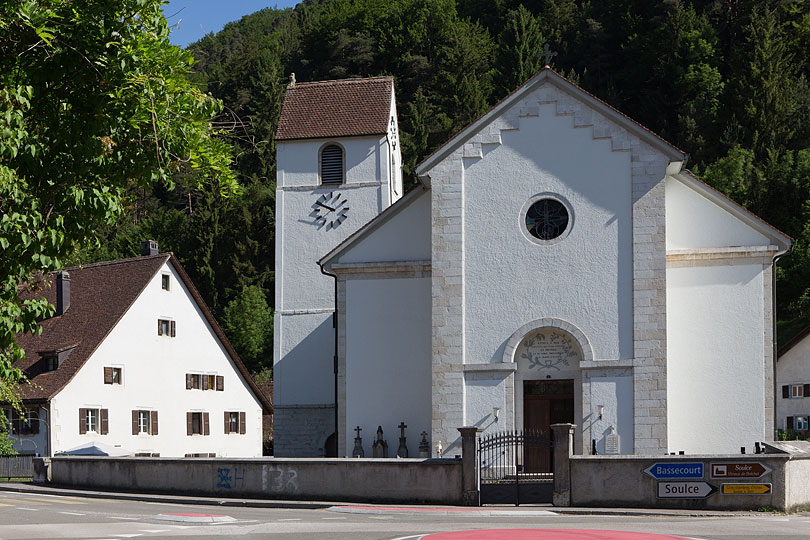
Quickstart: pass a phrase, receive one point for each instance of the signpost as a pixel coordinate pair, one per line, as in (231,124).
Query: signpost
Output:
(745,489)
(675,471)
(684,490)
(740,469)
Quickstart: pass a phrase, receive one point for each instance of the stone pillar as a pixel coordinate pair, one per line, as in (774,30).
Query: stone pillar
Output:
(563,450)
(469,465)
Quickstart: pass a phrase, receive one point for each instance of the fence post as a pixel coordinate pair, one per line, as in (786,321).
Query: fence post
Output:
(469,465)
(563,450)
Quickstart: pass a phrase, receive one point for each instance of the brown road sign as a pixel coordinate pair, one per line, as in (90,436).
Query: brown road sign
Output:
(739,469)
(745,489)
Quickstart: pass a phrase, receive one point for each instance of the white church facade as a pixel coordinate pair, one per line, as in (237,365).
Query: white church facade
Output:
(557,264)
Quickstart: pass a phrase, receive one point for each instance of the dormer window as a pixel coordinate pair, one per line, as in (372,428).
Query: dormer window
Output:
(51,362)
(332,164)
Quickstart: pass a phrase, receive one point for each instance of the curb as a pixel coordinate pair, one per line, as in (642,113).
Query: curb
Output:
(557,511)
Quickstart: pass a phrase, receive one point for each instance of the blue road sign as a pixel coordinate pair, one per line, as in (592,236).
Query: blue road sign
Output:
(675,470)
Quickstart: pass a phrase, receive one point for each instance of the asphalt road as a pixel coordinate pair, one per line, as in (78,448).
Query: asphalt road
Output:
(25,516)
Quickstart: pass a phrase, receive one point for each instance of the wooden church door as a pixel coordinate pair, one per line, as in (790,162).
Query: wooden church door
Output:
(545,402)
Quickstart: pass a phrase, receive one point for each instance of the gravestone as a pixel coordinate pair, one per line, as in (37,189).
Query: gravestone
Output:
(612,441)
(358,444)
(402,451)
(380,448)
(424,446)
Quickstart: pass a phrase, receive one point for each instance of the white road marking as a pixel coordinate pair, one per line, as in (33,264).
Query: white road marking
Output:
(118,517)
(335,518)
(126,535)
(72,513)
(289,519)
(154,530)
(29,509)
(416,536)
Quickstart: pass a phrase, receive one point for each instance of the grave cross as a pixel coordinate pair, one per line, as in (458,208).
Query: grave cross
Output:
(548,54)
(402,427)
(358,430)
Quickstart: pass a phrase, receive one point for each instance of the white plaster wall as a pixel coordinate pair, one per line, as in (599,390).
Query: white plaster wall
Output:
(388,373)
(298,161)
(482,392)
(693,221)
(715,358)
(793,367)
(305,365)
(403,237)
(616,394)
(154,369)
(586,278)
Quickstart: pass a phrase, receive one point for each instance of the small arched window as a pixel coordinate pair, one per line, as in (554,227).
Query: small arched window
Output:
(332,164)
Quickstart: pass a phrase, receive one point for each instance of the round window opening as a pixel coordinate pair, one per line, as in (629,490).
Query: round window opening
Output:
(547,219)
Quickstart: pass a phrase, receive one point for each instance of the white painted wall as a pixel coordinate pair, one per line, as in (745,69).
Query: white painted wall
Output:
(403,237)
(693,221)
(793,367)
(586,278)
(482,392)
(305,361)
(615,393)
(154,369)
(715,351)
(388,368)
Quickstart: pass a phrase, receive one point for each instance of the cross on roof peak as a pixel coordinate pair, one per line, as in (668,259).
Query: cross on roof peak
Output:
(548,54)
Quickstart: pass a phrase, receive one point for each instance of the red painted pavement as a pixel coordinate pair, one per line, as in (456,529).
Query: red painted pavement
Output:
(547,534)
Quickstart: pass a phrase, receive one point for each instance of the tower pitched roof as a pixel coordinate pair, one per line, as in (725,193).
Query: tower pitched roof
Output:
(338,108)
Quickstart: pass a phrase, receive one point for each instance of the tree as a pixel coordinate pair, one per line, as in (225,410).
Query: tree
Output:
(248,323)
(95,104)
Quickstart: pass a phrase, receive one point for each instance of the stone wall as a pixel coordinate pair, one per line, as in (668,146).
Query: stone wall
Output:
(302,431)
(435,481)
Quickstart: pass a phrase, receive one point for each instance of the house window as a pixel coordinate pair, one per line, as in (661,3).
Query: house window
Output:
(112,375)
(143,422)
(234,422)
(165,282)
(199,381)
(211,383)
(796,391)
(197,423)
(94,420)
(332,164)
(23,423)
(166,328)
(51,362)
(800,423)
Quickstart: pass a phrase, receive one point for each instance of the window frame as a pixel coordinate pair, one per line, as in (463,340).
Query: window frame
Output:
(167,327)
(144,422)
(92,421)
(801,422)
(342,164)
(166,282)
(197,423)
(797,391)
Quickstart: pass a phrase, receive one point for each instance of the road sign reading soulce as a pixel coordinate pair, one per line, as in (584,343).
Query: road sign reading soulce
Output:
(684,490)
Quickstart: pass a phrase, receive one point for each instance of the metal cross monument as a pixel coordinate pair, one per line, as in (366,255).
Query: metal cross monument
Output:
(548,54)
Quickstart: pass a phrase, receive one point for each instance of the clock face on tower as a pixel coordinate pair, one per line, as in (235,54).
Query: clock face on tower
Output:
(330,209)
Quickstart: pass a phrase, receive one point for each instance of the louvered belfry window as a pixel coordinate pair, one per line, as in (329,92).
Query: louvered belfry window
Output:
(332,164)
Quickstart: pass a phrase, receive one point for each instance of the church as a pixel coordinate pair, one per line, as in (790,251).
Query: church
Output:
(556,263)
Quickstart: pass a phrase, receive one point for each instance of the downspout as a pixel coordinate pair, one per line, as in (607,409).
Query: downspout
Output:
(335,357)
(775,345)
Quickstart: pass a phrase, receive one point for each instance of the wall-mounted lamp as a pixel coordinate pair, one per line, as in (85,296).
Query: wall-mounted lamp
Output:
(600,409)
(495,412)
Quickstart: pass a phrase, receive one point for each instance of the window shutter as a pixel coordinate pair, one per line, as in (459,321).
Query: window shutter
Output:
(108,375)
(807,390)
(189,425)
(227,423)
(242,422)
(154,424)
(105,421)
(172,325)
(206,429)
(221,383)
(160,328)
(332,164)
(785,391)
(205,382)
(135,422)
(82,421)
(188,381)
(212,454)
(789,422)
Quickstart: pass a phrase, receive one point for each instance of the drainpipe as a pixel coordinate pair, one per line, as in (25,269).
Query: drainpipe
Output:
(335,357)
(775,347)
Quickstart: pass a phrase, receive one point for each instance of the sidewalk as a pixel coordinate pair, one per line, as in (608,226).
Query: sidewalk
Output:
(362,508)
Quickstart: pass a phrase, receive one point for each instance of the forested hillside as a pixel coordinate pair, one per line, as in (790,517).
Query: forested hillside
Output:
(725,80)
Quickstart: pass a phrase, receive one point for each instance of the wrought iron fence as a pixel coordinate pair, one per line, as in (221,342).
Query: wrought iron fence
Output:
(516,466)
(17,466)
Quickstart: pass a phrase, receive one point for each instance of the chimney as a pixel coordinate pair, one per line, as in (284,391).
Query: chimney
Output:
(62,292)
(149,247)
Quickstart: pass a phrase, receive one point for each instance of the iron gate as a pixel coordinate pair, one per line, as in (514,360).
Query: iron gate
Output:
(516,467)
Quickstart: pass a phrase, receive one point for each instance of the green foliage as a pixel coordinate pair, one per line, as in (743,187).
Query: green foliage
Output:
(95,106)
(248,322)
(6,444)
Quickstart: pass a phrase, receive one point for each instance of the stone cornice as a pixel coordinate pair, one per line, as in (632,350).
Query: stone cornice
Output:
(384,266)
(765,253)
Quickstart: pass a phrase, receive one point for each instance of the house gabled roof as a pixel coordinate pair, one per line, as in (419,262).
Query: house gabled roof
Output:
(689,179)
(544,76)
(373,225)
(339,108)
(795,340)
(100,295)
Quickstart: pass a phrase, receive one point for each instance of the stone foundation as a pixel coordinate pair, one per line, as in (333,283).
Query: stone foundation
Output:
(301,431)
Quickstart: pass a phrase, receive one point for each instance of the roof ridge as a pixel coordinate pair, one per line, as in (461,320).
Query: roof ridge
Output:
(115,261)
(342,81)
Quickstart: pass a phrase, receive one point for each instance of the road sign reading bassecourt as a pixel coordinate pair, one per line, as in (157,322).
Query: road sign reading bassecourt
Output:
(684,490)
(751,469)
(745,489)
(675,471)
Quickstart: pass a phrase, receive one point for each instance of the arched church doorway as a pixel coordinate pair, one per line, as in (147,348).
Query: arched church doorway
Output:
(545,402)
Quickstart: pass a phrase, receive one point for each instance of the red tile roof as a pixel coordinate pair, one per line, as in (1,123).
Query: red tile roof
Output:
(100,294)
(342,108)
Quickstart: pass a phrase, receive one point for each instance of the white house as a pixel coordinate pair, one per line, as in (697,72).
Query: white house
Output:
(338,166)
(134,359)
(557,264)
(793,384)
